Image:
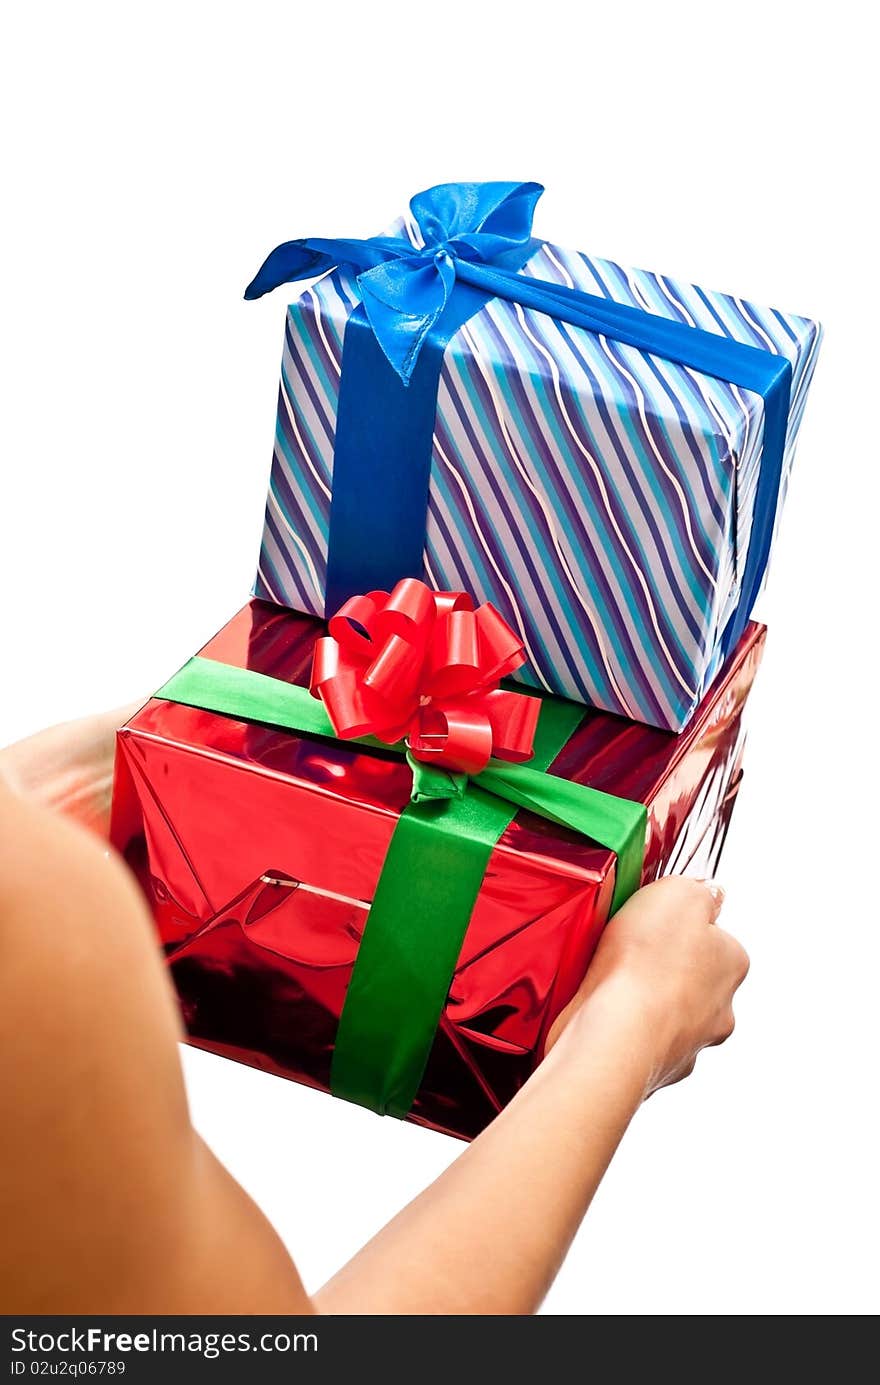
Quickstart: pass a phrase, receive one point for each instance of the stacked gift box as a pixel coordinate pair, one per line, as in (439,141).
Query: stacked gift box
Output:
(494,672)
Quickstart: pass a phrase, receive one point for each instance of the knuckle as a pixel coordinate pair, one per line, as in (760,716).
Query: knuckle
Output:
(724,1029)
(736,955)
(740,961)
(684,1070)
(684,896)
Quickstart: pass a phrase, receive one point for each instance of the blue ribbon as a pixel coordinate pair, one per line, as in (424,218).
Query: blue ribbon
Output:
(477,236)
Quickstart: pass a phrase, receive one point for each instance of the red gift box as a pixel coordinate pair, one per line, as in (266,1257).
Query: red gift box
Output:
(259,851)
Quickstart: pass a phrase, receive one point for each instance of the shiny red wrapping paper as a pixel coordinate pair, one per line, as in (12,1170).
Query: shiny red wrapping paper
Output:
(259,852)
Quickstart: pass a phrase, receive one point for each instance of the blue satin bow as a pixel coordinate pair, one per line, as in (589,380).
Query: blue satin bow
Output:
(477,236)
(404,290)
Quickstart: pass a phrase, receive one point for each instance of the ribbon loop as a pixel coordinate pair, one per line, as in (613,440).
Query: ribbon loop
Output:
(354,622)
(405,290)
(478,221)
(425,666)
(394,673)
(502,646)
(409,610)
(447,602)
(456,736)
(514,721)
(454,659)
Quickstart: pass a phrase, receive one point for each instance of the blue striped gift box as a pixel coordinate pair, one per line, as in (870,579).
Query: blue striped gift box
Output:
(599,497)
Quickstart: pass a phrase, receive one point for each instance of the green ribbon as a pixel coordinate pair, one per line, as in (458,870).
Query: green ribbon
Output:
(432,874)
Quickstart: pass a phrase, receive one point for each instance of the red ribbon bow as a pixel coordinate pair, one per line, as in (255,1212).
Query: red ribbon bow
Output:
(425,666)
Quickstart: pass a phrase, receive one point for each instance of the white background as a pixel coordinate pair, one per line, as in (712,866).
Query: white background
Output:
(154,155)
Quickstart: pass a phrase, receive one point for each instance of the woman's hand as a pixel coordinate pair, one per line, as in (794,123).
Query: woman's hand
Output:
(662,979)
(69,768)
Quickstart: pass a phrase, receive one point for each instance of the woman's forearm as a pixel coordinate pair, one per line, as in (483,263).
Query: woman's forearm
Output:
(490,1234)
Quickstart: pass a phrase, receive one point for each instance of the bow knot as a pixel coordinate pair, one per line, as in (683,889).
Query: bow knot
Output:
(425,667)
(405,288)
